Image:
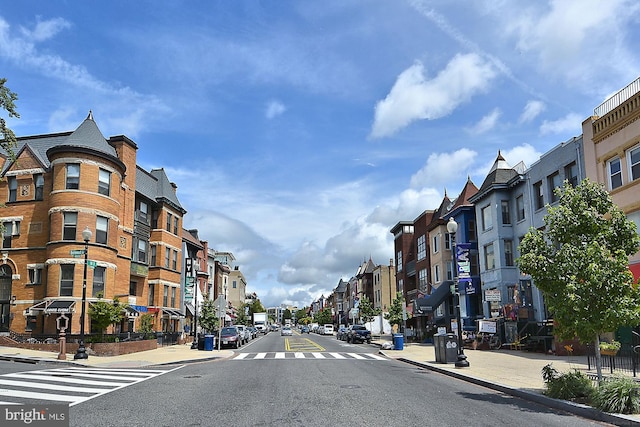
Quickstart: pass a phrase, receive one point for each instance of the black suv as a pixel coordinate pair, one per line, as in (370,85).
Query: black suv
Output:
(358,333)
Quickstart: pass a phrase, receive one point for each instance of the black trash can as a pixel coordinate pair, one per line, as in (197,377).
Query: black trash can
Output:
(200,342)
(446,348)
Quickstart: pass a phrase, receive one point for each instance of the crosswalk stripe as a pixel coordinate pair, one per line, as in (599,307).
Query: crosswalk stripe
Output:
(242,355)
(57,387)
(318,355)
(299,355)
(309,356)
(356,356)
(44,396)
(62,379)
(280,355)
(337,355)
(260,356)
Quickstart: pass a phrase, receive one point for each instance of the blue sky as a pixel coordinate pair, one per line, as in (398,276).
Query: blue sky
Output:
(300,132)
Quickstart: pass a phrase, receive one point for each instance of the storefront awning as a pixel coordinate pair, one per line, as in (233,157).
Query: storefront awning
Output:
(190,310)
(131,312)
(173,314)
(51,307)
(430,303)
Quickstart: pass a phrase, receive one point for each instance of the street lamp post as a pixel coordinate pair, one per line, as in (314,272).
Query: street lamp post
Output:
(452,228)
(194,345)
(81,353)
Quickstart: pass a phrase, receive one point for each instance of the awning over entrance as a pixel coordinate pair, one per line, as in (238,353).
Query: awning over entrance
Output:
(171,313)
(52,307)
(430,303)
(190,310)
(131,312)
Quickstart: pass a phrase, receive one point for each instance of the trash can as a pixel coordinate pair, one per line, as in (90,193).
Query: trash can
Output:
(209,342)
(200,342)
(398,341)
(446,348)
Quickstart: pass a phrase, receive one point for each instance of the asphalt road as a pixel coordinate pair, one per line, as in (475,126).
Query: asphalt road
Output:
(309,391)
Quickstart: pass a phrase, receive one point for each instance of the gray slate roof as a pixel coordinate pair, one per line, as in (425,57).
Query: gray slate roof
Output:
(156,186)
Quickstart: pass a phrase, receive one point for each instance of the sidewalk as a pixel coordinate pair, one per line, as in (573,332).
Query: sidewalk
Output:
(181,353)
(516,373)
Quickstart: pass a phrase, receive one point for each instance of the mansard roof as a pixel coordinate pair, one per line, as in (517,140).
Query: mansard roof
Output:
(155,186)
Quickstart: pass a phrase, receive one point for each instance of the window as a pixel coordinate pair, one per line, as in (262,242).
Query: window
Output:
(506,215)
(447,241)
(38,181)
(133,288)
(152,295)
(175,225)
(436,273)
(508,253)
(173,297)
(165,296)
(143,213)
(98,280)
(399,261)
(13,188)
(104,182)
(487,219)
(235,284)
(489,259)
(73,176)
(472,230)
(615,173)
(553,182)
(102,227)
(571,173)
(450,270)
(154,218)
(35,275)
(11,229)
(423,279)
(167,254)
(538,196)
(153,255)
(169,222)
(422,247)
(435,244)
(174,260)
(633,159)
(142,251)
(520,207)
(69,226)
(66,280)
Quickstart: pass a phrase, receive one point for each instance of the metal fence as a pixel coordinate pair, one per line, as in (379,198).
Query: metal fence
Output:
(626,360)
(163,338)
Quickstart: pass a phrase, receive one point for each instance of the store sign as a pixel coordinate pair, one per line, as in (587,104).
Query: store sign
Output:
(488,327)
(463,260)
(492,295)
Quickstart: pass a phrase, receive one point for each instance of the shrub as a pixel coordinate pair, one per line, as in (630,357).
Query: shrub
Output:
(618,395)
(572,385)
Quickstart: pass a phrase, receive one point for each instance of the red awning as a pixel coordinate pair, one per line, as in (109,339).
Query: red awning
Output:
(635,269)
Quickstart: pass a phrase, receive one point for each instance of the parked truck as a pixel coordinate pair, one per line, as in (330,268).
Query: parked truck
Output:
(260,322)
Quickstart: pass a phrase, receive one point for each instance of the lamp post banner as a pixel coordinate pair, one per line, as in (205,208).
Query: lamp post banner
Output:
(463,260)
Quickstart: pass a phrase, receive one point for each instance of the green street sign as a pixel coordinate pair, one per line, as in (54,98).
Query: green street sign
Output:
(91,264)
(76,253)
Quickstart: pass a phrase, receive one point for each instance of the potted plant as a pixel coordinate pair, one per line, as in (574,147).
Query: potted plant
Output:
(609,348)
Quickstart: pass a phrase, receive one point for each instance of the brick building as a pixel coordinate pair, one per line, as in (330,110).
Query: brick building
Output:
(61,184)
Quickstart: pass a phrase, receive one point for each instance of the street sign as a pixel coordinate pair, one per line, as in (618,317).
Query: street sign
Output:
(77,252)
(91,264)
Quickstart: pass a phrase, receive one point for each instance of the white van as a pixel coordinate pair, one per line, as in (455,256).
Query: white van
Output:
(327,330)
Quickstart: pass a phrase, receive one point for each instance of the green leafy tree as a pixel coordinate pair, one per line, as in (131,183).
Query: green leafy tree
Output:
(286,314)
(579,260)
(324,317)
(241,316)
(7,103)
(105,313)
(145,325)
(367,312)
(208,315)
(394,316)
(256,307)
(300,315)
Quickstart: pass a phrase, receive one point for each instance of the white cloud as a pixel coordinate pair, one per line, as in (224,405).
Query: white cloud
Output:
(441,169)
(414,97)
(525,153)
(487,123)
(531,111)
(44,30)
(570,123)
(274,108)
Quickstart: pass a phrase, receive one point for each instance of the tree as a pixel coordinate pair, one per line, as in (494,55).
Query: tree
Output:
(286,314)
(579,261)
(145,326)
(208,315)
(324,317)
(301,314)
(104,313)
(366,310)
(256,307)
(241,315)
(7,98)
(395,314)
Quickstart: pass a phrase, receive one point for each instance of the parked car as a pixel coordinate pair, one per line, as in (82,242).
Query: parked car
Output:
(286,330)
(230,336)
(327,330)
(304,330)
(341,333)
(358,333)
(254,331)
(244,333)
